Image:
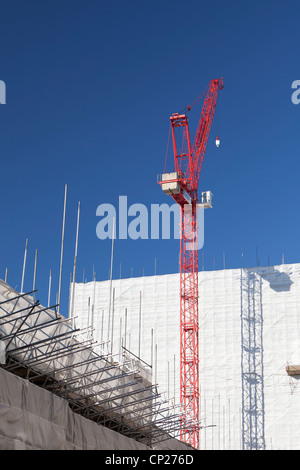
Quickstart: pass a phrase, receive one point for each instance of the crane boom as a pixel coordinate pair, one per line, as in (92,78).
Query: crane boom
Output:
(205,122)
(182,185)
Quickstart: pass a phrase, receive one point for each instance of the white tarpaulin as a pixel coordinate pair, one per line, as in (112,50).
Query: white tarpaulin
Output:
(146,312)
(77,380)
(33,419)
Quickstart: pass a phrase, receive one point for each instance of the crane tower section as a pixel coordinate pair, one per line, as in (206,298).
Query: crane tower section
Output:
(182,186)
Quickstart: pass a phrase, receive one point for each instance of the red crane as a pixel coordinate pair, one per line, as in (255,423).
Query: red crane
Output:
(182,185)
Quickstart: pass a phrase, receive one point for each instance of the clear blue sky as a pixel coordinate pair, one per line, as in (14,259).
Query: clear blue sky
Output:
(90,88)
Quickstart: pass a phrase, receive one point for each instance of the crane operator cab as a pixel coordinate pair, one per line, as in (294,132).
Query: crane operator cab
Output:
(206,200)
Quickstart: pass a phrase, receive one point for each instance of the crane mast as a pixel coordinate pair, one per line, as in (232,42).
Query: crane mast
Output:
(182,185)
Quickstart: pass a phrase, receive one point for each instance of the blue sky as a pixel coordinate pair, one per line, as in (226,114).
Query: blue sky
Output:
(90,89)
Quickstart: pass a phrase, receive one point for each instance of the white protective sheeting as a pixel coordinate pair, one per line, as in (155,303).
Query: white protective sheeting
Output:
(146,311)
(42,346)
(33,419)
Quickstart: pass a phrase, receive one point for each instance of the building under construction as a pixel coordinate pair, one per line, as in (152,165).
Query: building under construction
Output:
(60,389)
(107,377)
(249,347)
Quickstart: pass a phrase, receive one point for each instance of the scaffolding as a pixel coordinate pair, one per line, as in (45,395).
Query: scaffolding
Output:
(39,344)
(252,361)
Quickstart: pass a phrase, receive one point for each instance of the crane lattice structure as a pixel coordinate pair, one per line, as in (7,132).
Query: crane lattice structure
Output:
(252,361)
(182,185)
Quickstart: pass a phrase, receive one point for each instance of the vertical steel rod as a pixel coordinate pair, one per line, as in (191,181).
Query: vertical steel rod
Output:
(174,380)
(140,321)
(111,272)
(75,261)
(62,249)
(94,296)
(125,326)
(112,321)
(88,315)
(102,326)
(34,272)
(151,347)
(120,342)
(70,289)
(49,288)
(155,364)
(24,266)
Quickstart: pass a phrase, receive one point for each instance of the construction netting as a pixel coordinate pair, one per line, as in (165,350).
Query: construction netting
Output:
(249,332)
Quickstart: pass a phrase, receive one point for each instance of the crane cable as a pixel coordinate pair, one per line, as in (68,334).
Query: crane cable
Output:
(217,120)
(188,108)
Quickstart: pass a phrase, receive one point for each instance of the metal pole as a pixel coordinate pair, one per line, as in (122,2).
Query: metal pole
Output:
(49,289)
(88,315)
(34,272)
(155,377)
(174,379)
(140,320)
(6,273)
(24,265)
(92,320)
(62,249)
(112,321)
(75,261)
(94,296)
(120,342)
(152,348)
(102,327)
(111,270)
(70,290)
(125,326)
